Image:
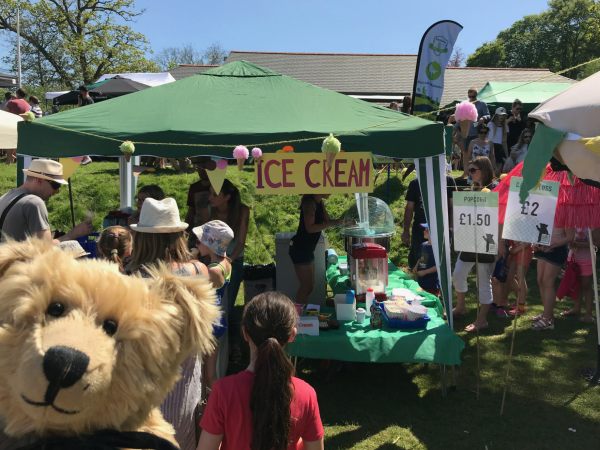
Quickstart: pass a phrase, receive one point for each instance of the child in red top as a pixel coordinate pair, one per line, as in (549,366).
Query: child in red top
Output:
(264,406)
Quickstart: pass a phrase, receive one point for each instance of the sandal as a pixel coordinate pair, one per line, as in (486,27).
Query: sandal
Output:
(537,317)
(474,327)
(543,324)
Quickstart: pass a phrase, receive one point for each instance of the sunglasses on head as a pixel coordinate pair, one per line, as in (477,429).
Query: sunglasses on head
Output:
(54,184)
(473,169)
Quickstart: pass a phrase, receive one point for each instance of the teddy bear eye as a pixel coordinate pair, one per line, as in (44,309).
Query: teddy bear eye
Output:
(110,327)
(55,309)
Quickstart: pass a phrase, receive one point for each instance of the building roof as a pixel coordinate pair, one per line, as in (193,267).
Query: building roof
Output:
(342,72)
(8,80)
(379,74)
(187,70)
(376,77)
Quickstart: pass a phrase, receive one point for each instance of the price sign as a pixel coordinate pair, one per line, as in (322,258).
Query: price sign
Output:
(475,222)
(533,220)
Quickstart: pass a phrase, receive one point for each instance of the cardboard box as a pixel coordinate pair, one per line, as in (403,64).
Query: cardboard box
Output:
(308,325)
(343,310)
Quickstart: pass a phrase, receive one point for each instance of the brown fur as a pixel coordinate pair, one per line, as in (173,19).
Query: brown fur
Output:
(161,321)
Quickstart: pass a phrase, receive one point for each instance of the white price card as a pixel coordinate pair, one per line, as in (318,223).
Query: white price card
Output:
(475,221)
(533,220)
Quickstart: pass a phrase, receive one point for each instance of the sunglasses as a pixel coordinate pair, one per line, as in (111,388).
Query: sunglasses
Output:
(527,137)
(473,169)
(54,184)
(483,132)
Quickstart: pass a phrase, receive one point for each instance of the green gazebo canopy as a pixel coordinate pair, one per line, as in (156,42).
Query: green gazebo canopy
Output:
(238,103)
(503,93)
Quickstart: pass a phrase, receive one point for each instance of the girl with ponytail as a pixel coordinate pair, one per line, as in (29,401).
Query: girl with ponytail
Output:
(264,407)
(115,244)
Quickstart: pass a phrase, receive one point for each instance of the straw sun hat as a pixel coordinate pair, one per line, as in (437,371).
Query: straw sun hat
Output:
(159,216)
(46,169)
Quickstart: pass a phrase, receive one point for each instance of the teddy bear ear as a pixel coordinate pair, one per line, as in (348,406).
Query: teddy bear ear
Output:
(196,300)
(12,252)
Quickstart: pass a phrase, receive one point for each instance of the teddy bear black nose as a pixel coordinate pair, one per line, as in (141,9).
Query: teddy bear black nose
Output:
(64,366)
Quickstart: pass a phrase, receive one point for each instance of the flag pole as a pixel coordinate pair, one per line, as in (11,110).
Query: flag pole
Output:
(19,44)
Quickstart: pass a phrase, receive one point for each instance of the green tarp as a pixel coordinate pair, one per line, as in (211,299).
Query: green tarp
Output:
(503,93)
(238,103)
(358,342)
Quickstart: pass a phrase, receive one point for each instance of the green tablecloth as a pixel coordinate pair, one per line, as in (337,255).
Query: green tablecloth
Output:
(359,343)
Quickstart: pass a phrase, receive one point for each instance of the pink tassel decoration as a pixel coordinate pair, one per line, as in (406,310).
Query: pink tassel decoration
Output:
(257,153)
(241,153)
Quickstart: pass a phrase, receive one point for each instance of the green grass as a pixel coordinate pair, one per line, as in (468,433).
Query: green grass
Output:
(398,406)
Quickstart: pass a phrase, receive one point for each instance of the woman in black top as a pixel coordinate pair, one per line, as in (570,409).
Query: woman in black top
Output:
(313,220)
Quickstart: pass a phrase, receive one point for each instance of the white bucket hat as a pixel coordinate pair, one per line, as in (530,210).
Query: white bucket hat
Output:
(216,235)
(46,169)
(159,216)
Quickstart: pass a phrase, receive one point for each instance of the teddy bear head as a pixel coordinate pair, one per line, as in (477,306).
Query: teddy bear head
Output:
(85,348)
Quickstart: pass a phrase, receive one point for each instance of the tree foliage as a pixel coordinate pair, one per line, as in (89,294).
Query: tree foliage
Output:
(65,42)
(561,37)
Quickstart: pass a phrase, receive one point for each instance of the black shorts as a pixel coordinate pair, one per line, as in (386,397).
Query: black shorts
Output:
(557,256)
(301,254)
(499,153)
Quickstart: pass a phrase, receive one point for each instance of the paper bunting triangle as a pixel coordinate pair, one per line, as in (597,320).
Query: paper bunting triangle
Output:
(70,165)
(216,178)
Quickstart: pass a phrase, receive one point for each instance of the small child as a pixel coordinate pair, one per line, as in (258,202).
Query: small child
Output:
(115,244)
(425,269)
(212,240)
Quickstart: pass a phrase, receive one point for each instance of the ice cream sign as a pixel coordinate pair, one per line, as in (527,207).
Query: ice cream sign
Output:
(311,173)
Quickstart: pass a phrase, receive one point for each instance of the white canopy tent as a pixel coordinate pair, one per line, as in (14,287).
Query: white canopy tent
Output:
(8,129)
(148,78)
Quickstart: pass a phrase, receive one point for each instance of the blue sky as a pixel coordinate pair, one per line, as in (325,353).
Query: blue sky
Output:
(349,26)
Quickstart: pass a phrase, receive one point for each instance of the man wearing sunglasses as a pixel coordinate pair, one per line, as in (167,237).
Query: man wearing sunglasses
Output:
(483,115)
(23,210)
(516,123)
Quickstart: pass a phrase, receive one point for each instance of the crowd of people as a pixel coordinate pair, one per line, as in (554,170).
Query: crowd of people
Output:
(484,156)
(265,405)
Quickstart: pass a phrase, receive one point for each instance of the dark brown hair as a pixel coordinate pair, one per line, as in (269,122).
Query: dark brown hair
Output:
(234,205)
(484,164)
(269,320)
(152,191)
(113,243)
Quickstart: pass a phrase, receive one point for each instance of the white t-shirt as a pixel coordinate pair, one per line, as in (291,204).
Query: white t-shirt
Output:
(495,133)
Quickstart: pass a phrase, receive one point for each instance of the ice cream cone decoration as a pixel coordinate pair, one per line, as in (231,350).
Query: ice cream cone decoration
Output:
(257,154)
(241,153)
(286,149)
(464,127)
(331,147)
(465,114)
(127,148)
